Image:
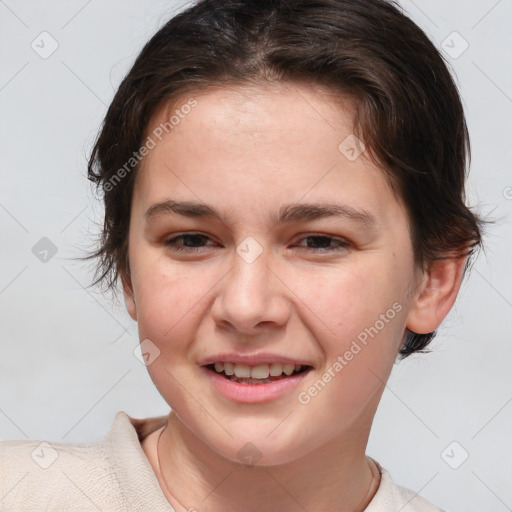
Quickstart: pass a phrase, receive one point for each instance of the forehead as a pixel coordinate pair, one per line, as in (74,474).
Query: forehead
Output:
(251,106)
(266,142)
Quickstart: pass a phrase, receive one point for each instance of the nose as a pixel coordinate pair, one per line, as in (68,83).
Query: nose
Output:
(252,298)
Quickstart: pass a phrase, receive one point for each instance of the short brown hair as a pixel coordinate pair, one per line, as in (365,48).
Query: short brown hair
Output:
(408,113)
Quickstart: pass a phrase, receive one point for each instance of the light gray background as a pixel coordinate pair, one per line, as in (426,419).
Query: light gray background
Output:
(67,363)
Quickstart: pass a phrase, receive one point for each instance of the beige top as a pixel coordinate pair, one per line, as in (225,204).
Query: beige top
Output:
(114,474)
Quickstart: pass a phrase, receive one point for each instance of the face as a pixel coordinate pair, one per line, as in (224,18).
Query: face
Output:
(254,274)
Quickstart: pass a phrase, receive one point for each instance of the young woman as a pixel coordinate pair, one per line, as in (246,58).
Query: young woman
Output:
(283,184)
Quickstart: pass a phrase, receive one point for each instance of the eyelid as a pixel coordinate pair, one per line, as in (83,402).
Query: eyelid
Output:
(342,242)
(168,242)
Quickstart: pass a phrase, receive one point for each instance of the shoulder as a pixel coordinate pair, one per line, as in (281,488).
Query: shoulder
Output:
(41,473)
(392,497)
(112,474)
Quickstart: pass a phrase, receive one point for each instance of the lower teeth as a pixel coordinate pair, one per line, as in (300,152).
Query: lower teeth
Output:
(248,380)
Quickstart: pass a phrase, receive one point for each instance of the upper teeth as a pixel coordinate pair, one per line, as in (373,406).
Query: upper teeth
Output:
(261,371)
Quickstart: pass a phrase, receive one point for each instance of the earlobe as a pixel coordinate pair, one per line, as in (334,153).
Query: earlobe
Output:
(435,295)
(129,296)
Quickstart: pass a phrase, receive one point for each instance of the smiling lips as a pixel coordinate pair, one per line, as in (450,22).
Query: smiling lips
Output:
(254,378)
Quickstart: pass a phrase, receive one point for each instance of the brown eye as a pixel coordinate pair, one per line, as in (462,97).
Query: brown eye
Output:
(324,243)
(187,242)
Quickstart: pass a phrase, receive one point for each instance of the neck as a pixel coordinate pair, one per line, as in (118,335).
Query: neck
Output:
(337,476)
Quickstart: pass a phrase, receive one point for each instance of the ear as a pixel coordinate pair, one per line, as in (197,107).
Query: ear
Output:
(435,295)
(129,300)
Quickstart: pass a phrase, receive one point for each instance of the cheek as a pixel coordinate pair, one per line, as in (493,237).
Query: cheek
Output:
(168,300)
(353,298)
(364,309)
(167,309)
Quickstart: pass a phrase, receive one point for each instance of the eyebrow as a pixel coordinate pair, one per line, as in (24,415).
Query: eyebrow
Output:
(294,212)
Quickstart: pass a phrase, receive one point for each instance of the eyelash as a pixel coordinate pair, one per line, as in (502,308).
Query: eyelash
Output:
(171,243)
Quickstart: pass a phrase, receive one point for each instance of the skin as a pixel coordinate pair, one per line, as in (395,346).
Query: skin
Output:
(247,151)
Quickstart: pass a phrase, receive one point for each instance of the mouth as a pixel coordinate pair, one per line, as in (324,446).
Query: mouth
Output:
(260,374)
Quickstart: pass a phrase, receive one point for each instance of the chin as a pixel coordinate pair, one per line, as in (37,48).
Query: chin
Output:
(260,449)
